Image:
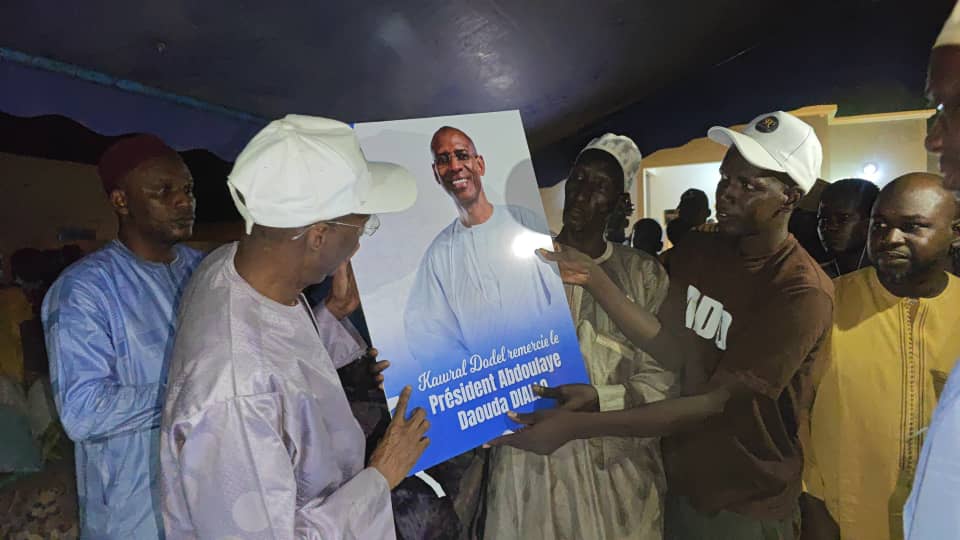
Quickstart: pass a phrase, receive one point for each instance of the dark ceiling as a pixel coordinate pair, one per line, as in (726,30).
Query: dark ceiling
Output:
(565,64)
(659,71)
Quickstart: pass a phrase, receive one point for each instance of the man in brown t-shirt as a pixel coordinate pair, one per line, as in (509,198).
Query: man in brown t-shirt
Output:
(746,321)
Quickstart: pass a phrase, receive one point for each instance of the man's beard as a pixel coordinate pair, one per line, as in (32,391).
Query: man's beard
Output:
(907,275)
(169,236)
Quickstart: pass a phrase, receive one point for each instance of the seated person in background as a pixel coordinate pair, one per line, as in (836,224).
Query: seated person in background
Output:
(15,309)
(842,222)
(648,236)
(894,341)
(30,275)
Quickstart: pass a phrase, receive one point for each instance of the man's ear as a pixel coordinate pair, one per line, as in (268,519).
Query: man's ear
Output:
(482,169)
(955,229)
(436,174)
(318,236)
(118,199)
(793,195)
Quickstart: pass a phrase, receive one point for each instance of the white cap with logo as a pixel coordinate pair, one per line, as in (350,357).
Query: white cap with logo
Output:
(777,142)
(301,170)
(950,35)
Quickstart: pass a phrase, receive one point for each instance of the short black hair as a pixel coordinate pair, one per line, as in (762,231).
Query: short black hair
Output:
(647,236)
(677,229)
(694,206)
(863,192)
(694,198)
(648,226)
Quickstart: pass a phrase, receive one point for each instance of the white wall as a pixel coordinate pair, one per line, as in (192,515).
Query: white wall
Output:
(41,196)
(892,141)
(895,147)
(664,185)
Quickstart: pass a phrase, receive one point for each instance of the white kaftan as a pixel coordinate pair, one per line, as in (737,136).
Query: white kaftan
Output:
(257,439)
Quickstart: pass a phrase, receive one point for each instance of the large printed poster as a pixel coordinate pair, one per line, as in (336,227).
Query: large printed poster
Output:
(452,290)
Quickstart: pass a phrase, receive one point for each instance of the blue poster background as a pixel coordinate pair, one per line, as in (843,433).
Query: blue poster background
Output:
(467,402)
(474,321)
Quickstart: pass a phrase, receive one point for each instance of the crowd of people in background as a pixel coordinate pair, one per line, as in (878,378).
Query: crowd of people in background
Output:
(785,369)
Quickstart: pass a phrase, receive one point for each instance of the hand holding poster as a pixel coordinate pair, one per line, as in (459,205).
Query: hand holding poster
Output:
(453,292)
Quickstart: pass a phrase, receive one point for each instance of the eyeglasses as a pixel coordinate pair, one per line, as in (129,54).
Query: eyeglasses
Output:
(442,161)
(367,229)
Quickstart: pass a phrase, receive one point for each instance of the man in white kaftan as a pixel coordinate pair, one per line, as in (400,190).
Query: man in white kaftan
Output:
(258,439)
(479,284)
(264,387)
(472,291)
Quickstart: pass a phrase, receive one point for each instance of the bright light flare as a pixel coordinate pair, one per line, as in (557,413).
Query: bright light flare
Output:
(527,243)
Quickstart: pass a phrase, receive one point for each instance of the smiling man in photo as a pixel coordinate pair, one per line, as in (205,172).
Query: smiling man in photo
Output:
(479,280)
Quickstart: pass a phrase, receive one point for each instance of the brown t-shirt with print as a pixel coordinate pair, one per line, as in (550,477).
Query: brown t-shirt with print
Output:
(765,321)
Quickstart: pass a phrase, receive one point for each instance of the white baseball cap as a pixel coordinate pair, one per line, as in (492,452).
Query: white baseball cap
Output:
(777,142)
(301,170)
(950,35)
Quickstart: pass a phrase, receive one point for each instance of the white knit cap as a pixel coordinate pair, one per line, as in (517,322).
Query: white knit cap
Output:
(624,150)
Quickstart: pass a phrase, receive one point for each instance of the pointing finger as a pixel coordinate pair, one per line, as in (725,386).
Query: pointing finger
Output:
(401,410)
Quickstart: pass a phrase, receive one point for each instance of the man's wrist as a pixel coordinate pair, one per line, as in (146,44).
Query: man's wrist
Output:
(576,426)
(381,470)
(595,277)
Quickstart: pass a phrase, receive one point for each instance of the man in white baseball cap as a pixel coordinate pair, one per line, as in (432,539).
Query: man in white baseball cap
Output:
(257,436)
(777,142)
(745,318)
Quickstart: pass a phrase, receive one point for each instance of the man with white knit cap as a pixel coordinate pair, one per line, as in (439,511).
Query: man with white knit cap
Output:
(257,438)
(746,318)
(603,488)
(931,512)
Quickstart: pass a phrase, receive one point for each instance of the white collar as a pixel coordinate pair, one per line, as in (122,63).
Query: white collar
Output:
(607,253)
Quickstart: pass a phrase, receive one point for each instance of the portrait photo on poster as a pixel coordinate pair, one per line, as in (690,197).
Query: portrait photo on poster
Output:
(453,291)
